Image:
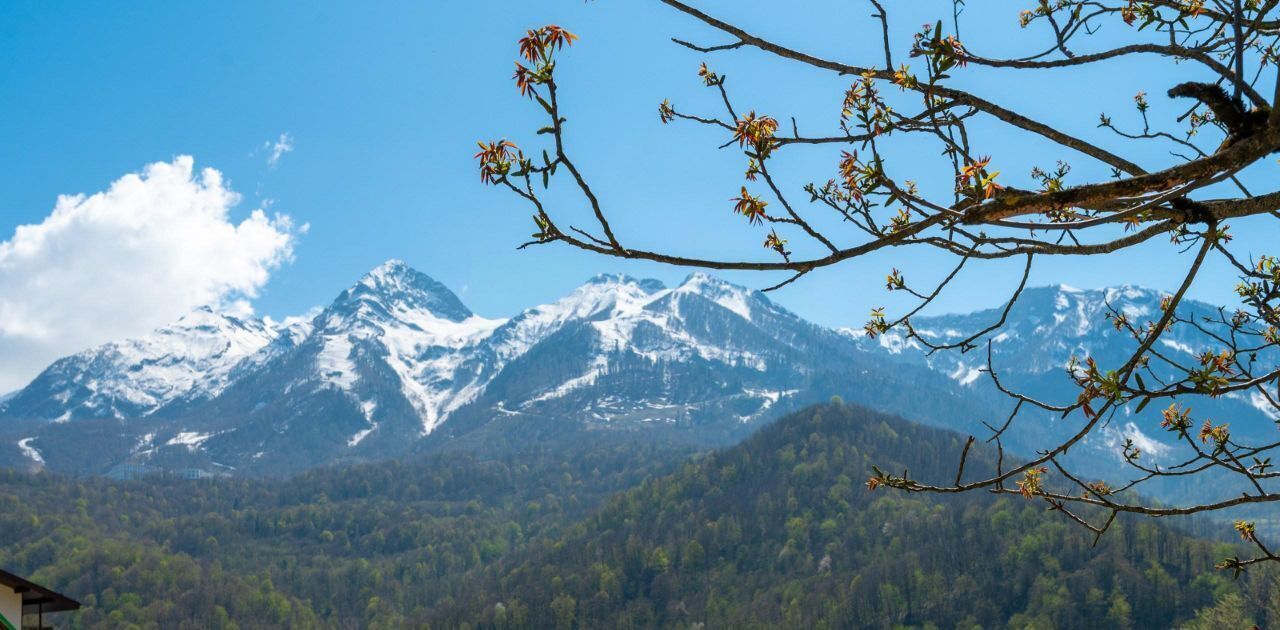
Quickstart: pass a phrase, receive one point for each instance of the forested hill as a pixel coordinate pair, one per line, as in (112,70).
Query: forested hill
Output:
(781,532)
(368,546)
(778,531)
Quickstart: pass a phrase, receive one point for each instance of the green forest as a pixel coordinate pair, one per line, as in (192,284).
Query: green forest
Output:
(610,531)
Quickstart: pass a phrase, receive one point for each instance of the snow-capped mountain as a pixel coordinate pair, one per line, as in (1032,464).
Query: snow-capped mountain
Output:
(622,349)
(1045,328)
(1050,325)
(416,326)
(379,368)
(398,363)
(192,359)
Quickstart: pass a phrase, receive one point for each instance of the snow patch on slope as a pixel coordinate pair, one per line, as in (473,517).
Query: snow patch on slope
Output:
(1112,439)
(30,452)
(965,374)
(367,408)
(334,364)
(190,439)
(579,382)
(722,293)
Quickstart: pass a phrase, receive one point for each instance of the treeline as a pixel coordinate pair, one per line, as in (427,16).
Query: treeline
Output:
(606,531)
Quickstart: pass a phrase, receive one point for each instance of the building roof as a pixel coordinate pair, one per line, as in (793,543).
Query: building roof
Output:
(36,598)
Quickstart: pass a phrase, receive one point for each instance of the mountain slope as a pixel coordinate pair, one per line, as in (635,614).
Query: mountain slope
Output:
(1045,329)
(354,547)
(191,359)
(380,367)
(619,350)
(398,363)
(779,532)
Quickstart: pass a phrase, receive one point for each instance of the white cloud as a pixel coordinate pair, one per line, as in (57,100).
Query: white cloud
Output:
(123,262)
(281,146)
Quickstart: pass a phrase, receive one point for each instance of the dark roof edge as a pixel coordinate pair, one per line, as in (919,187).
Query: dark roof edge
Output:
(37,598)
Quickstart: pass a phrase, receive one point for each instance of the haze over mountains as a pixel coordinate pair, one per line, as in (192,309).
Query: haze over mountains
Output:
(398,364)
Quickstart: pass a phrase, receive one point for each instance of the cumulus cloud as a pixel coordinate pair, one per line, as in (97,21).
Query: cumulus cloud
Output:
(125,261)
(275,150)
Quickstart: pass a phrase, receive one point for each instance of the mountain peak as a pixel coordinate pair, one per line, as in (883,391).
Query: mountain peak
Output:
(1123,290)
(199,316)
(395,285)
(1129,292)
(393,267)
(648,285)
(699,281)
(699,278)
(208,317)
(731,296)
(390,273)
(1063,297)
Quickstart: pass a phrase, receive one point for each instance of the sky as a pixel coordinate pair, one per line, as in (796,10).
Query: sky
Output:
(263,156)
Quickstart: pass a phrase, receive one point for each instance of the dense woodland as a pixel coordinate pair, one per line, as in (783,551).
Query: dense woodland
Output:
(610,531)
(781,532)
(361,546)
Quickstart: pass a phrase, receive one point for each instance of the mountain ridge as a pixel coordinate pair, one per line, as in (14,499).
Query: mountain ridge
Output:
(396,355)
(398,363)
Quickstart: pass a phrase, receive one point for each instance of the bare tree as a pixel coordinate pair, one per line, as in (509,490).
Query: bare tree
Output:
(1228,43)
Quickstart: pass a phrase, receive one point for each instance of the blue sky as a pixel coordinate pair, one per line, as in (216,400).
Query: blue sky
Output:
(384,101)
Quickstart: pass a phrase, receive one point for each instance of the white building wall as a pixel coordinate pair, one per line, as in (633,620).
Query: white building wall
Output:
(10,609)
